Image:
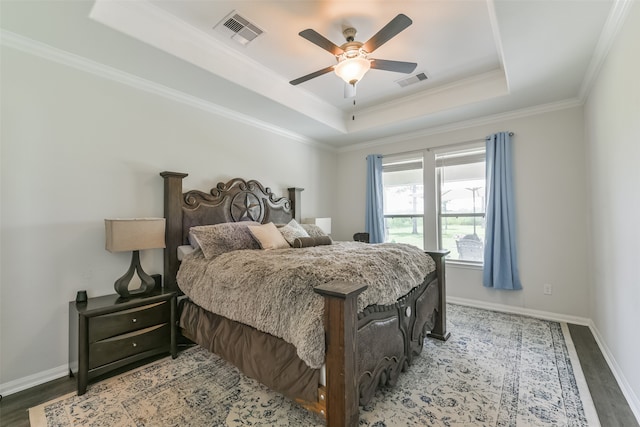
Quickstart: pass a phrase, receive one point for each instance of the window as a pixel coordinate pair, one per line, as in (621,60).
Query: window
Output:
(460,180)
(403,199)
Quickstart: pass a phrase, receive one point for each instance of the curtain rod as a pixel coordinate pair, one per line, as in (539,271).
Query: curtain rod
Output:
(455,144)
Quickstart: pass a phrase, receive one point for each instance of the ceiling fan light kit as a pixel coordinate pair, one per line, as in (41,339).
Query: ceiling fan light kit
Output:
(351,70)
(352,56)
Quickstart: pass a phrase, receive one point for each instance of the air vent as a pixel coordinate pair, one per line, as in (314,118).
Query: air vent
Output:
(238,28)
(412,80)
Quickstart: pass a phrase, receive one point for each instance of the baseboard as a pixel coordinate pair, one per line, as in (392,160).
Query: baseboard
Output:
(632,399)
(545,315)
(33,380)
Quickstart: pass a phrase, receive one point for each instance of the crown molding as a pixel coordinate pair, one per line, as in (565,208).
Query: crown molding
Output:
(50,53)
(612,26)
(488,85)
(151,24)
(466,124)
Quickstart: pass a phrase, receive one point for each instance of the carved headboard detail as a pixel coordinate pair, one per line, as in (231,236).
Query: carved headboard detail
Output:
(236,200)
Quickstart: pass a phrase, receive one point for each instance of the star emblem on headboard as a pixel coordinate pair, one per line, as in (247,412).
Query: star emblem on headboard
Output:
(246,206)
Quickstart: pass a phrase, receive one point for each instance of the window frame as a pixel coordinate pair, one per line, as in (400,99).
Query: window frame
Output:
(453,157)
(407,162)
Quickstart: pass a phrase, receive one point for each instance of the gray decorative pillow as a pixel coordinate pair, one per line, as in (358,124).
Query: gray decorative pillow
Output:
(217,239)
(292,230)
(307,242)
(313,230)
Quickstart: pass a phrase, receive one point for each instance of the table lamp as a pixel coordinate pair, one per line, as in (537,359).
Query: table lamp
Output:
(134,234)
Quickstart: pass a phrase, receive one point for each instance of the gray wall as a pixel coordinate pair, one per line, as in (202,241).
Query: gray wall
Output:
(551,199)
(78,148)
(612,118)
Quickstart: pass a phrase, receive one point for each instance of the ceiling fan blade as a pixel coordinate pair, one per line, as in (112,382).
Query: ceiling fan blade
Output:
(312,75)
(395,26)
(397,66)
(318,39)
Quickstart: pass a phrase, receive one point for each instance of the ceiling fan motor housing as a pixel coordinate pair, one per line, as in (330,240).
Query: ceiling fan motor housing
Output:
(352,50)
(349,34)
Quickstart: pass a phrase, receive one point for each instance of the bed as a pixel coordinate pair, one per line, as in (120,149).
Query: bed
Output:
(364,345)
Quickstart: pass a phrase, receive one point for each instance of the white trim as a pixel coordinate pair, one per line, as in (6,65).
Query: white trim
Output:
(161,29)
(33,380)
(612,26)
(497,38)
(45,51)
(464,84)
(465,124)
(455,263)
(583,388)
(632,399)
(545,315)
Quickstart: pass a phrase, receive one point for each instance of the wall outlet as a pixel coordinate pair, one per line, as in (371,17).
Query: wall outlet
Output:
(547,289)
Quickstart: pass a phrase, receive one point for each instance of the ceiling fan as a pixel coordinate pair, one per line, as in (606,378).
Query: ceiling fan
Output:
(353,56)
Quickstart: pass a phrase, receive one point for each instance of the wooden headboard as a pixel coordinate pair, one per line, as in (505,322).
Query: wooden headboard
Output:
(236,200)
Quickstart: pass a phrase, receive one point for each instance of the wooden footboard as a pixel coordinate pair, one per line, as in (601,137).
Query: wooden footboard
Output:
(398,331)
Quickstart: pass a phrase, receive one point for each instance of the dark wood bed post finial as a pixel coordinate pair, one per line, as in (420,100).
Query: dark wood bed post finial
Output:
(173,216)
(294,196)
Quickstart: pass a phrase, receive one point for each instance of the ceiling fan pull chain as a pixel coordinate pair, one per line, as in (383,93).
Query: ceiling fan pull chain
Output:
(353,115)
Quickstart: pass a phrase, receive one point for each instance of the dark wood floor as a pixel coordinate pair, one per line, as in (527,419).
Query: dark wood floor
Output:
(609,401)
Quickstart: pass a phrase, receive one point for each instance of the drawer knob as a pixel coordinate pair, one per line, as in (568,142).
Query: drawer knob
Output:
(134,320)
(135,345)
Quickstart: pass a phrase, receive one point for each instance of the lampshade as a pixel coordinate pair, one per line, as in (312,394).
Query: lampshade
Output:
(323,223)
(133,234)
(351,70)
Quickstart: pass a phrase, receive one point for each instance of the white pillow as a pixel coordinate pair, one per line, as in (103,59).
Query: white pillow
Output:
(313,230)
(268,236)
(292,231)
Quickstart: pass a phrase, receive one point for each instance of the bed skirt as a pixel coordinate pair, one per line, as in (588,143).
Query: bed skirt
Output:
(264,357)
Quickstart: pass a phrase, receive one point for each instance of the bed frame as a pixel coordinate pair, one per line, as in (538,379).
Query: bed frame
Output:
(355,367)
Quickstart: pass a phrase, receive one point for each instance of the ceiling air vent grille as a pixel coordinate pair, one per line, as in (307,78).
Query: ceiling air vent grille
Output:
(412,80)
(238,28)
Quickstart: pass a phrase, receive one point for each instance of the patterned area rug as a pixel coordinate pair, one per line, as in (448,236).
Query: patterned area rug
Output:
(496,370)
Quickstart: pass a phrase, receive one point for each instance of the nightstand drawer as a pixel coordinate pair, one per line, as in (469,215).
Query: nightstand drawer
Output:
(121,346)
(110,325)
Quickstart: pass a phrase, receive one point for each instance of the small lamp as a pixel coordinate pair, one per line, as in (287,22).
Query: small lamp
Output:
(134,234)
(323,223)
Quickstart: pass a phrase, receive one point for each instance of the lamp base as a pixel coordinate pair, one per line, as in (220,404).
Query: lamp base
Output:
(147,284)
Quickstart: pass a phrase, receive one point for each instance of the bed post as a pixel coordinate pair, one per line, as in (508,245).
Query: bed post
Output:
(173,233)
(294,196)
(341,328)
(439,330)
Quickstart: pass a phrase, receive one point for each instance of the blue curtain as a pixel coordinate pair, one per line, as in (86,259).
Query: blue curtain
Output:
(374,214)
(500,258)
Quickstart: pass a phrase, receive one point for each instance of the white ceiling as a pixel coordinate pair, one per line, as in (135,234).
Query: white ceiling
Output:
(481,58)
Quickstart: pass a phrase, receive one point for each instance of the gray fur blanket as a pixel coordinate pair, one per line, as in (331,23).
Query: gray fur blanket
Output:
(272,290)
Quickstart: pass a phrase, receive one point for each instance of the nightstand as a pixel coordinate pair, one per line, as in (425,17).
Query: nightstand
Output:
(109,332)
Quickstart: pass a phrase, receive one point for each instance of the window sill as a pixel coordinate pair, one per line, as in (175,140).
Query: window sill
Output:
(464,264)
